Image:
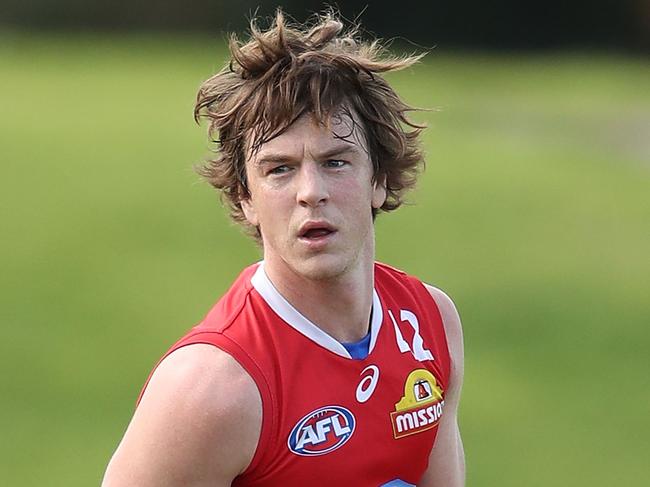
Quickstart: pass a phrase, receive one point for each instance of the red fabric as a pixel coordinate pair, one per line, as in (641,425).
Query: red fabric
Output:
(296,376)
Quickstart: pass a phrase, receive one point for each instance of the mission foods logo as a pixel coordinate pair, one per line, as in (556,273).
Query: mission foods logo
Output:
(421,406)
(322,431)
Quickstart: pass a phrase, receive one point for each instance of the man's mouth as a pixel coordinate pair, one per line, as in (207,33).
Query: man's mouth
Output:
(316,230)
(316,233)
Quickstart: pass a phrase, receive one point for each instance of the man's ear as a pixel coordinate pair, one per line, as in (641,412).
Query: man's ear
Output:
(379,192)
(249,211)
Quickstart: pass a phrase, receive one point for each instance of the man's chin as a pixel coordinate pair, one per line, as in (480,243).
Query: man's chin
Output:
(321,267)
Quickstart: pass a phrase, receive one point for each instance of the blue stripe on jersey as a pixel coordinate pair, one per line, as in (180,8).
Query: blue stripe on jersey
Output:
(358,350)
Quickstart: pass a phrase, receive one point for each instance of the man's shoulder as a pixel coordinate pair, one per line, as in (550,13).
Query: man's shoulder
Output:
(421,290)
(199,390)
(388,269)
(444,302)
(452,325)
(201,378)
(190,414)
(442,299)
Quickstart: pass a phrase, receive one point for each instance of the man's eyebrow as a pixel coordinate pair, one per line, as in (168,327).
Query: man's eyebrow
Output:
(271,157)
(278,157)
(340,149)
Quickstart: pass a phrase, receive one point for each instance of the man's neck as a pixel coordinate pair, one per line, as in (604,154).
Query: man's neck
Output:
(340,306)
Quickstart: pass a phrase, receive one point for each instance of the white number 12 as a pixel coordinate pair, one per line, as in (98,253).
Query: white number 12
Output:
(417,349)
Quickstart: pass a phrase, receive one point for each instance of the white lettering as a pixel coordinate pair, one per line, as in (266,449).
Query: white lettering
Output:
(432,416)
(415,418)
(418,418)
(307,437)
(404,422)
(322,428)
(422,416)
(338,429)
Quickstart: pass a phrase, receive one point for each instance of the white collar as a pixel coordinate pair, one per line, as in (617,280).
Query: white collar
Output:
(300,323)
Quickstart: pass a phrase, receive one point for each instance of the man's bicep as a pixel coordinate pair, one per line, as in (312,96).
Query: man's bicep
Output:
(189,428)
(447,458)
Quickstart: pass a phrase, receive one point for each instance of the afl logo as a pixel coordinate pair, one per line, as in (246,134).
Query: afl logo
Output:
(322,431)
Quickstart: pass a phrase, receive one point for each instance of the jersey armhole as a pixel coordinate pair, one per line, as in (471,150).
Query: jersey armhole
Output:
(431,307)
(269,402)
(224,343)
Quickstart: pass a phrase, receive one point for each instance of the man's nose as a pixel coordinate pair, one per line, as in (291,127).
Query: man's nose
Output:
(312,185)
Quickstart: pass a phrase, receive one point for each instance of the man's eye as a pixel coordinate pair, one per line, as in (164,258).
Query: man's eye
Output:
(279,169)
(336,163)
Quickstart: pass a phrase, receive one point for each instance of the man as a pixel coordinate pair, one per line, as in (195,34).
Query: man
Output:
(319,366)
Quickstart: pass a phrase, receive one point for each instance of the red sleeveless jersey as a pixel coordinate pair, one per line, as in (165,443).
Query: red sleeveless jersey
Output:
(329,419)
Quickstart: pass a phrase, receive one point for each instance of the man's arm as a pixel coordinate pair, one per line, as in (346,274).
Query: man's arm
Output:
(190,428)
(447,459)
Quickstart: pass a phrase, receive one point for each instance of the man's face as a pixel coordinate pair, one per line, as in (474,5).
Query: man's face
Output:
(311,195)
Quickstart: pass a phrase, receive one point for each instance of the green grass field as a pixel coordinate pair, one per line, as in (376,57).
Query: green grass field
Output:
(533,213)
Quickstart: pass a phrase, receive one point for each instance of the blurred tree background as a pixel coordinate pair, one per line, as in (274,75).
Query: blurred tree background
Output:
(533,213)
(620,24)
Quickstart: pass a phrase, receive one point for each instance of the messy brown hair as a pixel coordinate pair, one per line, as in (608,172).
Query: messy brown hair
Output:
(286,71)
